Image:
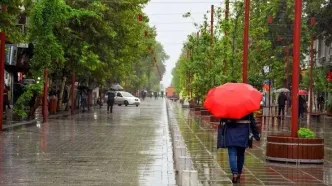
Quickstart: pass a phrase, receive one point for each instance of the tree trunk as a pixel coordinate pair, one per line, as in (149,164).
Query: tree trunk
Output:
(60,98)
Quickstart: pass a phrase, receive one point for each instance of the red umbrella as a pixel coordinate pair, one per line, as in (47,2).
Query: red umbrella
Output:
(303,92)
(233,100)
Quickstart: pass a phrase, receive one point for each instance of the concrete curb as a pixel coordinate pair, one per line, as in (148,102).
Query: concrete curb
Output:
(186,174)
(32,122)
(19,124)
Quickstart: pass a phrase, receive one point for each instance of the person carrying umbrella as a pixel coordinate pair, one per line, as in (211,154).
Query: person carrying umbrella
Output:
(237,139)
(110,101)
(235,103)
(281,104)
(302,105)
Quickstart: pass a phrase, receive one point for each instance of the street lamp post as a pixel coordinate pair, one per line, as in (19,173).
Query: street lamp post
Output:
(245,42)
(2,67)
(296,64)
(73,80)
(45,113)
(2,72)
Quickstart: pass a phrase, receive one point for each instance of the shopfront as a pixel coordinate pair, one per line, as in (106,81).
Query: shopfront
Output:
(16,66)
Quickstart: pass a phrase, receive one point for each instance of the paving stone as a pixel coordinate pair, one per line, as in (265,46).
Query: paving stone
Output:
(212,163)
(129,147)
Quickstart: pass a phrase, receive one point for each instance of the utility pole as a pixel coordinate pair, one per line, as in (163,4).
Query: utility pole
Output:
(226,18)
(245,42)
(2,66)
(73,80)
(296,65)
(45,111)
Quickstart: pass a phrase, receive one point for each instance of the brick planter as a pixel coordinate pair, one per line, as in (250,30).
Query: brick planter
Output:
(214,119)
(198,109)
(205,112)
(289,149)
(259,121)
(192,106)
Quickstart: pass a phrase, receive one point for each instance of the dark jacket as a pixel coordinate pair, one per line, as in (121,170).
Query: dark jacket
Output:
(282,100)
(237,134)
(302,103)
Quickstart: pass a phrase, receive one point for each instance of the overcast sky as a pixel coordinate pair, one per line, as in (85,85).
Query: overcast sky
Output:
(172,28)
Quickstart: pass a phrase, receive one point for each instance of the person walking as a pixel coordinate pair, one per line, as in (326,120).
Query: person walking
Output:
(302,104)
(320,103)
(110,101)
(83,100)
(155,95)
(5,98)
(237,137)
(281,104)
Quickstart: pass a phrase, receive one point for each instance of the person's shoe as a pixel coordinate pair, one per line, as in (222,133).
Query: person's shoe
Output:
(235,178)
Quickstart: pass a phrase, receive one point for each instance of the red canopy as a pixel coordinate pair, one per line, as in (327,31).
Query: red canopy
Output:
(233,100)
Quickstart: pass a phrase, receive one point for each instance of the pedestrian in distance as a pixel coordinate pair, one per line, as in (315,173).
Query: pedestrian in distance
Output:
(302,105)
(110,101)
(144,95)
(155,95)
(83,100)
(238,135)
(5,99)
(320,103)
(281,104)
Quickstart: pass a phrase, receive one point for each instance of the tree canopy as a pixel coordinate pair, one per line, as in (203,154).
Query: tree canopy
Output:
(202,66)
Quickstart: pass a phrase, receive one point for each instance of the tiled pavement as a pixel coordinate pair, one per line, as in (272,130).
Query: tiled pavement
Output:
(129,147)
(212,164)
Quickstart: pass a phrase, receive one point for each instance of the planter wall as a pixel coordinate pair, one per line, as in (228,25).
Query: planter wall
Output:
(205,113)
(259,120)
(198,109)
(289,149)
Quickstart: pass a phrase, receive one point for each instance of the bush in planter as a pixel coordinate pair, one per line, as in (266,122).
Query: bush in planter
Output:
(305,133)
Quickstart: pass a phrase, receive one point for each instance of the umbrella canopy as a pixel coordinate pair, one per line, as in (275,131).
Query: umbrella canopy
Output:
(116,87)
(233,100)
(280,90)
(303,92)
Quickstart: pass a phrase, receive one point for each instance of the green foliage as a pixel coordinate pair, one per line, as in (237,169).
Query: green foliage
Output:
(208,67)
(305,133)
(8,20)
(100,41)
(24,100)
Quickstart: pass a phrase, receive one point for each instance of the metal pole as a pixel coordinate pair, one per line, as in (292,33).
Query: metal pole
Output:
(2,67)
(2,73)
(287,67)
(45,111)
(73,80)
(245,43)
(212,36)
(311,79)
(212,20)
(226,18)
(296,66)
(89,100)
(287,76)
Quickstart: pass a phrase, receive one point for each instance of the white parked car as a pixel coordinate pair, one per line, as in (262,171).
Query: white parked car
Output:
(125,98)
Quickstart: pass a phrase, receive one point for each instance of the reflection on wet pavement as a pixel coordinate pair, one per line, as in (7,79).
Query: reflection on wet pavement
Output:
(129,147)
(212,164)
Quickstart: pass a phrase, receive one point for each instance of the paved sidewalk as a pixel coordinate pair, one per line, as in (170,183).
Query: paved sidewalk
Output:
(213,167)
(129,147)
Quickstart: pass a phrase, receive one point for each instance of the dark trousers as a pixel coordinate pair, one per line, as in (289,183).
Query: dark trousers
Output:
(281,110)
(110,105)
(301,112)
